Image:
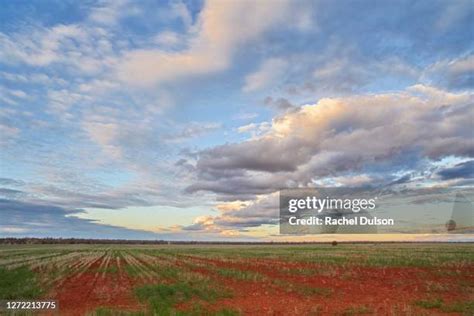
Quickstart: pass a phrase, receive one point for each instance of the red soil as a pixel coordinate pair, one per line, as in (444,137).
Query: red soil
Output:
(84,292)
(384,291)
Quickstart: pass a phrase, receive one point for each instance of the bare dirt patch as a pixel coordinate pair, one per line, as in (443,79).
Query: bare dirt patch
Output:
(103,284)
(293,288)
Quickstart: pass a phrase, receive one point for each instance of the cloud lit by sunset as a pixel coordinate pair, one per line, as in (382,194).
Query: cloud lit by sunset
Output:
(183,120)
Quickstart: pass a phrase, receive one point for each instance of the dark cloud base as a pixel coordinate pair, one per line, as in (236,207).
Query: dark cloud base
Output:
(22,219)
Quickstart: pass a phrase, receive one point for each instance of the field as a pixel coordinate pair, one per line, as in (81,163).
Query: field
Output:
(347,279)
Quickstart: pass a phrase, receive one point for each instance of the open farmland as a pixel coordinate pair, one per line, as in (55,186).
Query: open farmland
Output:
(348,279)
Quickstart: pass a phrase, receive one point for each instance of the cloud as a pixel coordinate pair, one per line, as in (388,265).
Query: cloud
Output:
(255,129)
(455,73)
(61,101)
(263,210)
(41,219)
(342,71)
(239,216)
(168,39)
(452,13)
(73,120)
(11,182)
(464,170)
(222,27)
(269,72)
(7,133)
(279,104)
(45,220)
(33,79)
(102,197)
(180,10)
(341,135)
(10,192)
(109,12)
(245,116)
(83,48)
(76,191)
(39,47)
(105,134)
(192,130)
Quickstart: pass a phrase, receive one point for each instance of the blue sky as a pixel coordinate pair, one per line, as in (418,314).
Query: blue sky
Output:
(182,119)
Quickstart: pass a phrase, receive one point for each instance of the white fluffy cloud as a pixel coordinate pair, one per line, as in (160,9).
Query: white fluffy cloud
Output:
(340,135)
(221,28)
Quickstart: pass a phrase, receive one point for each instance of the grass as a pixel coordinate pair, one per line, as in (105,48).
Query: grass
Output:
(111,270)
(103,311)
(302,289)
(309,291)
(240,274)
(357,310)
(199,310)
(373,255)
(18,283)
(162,298)
(430,303)
(464,308)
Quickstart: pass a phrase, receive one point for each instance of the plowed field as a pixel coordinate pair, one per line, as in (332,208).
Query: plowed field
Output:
(361,279)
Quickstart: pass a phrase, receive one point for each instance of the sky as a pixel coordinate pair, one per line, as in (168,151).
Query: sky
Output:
(182,120)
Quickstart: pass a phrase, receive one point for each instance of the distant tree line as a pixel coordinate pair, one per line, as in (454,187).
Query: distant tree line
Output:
(49,241)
